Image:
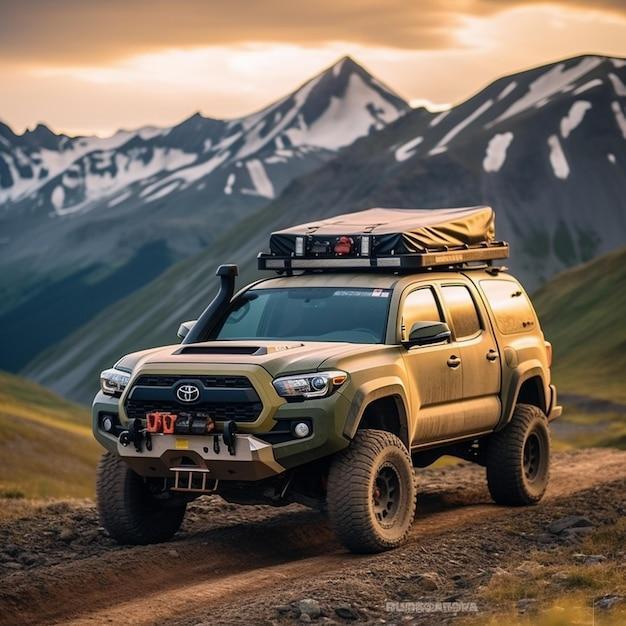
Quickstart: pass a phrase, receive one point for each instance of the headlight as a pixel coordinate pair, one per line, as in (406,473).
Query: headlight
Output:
(316,385)
(113,381)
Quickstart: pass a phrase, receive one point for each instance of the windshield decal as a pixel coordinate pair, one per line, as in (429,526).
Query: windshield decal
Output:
(362,293)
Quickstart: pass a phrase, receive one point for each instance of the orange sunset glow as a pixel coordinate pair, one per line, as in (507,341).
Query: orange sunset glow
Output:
(94,67)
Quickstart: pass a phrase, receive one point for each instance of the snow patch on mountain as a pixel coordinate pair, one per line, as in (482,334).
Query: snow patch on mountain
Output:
(574,117)
(188,175)
(57,197)
(549,83)
(617,63)
(496,151)
(408,149)
(105,173)
(596,82)
(451,134)
(507,90)
(619,117)
(164,191)
(230,181)
(46,164)
(439,118)
(261,181)
(120,198)
(618,85)
(559,163)
(255,139)
(363,106)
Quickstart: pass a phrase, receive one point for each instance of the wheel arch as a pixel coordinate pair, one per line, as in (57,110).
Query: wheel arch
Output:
(383,407)
(529,386)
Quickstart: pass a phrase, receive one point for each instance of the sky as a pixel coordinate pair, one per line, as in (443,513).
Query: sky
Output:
(93,67)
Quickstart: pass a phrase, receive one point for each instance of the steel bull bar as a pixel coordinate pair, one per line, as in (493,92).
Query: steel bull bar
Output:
(196,462)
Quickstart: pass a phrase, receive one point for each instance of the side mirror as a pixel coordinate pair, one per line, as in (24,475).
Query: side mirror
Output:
(184,328)
(427,333)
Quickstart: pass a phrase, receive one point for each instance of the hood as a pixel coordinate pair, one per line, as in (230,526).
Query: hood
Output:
(277,357)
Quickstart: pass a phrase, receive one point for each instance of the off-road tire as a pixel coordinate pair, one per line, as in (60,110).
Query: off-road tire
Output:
(509,456)
(127,509)
(374,458)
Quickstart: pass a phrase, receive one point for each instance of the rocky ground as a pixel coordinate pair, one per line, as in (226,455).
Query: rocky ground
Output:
(467,560)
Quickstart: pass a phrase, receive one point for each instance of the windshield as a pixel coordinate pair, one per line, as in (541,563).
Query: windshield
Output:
(309,314)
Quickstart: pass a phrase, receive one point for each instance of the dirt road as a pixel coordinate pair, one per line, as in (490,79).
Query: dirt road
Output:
(249,564)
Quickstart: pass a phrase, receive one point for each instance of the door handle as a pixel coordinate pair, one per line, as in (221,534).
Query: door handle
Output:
(492,355)
(454,361)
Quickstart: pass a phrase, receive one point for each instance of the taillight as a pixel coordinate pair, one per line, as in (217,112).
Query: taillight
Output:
(549,353)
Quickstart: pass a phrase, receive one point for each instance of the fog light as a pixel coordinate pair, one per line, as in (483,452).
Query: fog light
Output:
(107,424)
(301,430)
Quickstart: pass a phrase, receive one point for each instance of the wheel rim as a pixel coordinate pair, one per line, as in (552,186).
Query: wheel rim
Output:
(386,495)
(533,457)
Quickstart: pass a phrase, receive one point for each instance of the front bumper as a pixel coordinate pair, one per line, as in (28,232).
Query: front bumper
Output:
(255,459)
(251,458)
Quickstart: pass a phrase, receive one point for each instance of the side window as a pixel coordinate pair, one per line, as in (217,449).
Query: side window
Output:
(510,305)
(419,306)
(462,309)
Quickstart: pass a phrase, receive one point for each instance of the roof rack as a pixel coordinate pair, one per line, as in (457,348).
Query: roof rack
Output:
(444,257)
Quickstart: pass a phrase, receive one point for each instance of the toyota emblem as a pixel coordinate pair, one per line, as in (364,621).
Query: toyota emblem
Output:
(188,393)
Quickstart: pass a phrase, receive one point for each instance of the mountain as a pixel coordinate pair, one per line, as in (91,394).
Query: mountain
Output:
(85,221)
(421,160)
(545,147)
(46,444)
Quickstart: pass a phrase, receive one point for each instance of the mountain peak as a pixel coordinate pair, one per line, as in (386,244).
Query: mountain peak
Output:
(40,132)
(348,61)
(346,65)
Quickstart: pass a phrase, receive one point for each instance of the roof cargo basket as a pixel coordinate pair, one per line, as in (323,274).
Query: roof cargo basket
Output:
(387,239)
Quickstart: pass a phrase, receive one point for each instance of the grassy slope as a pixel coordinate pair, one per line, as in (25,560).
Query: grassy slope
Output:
(46,444)
(583,312)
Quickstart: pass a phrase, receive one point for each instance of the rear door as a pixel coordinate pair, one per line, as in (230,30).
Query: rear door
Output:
(435,372)
(479,355)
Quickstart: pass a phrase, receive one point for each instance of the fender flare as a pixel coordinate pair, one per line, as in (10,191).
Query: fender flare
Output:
(375,390)
(526,371)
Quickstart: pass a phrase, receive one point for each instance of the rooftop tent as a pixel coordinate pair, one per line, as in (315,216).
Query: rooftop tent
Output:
(391,231)
(397,239)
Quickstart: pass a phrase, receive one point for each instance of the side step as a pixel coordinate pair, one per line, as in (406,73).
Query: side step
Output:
(191,479)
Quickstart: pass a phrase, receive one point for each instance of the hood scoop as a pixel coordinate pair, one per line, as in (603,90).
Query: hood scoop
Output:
(250,350)
(238,349)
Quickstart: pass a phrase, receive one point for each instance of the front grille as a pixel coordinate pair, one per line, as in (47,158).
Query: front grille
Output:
(222,397)
(240,412)
(228,382)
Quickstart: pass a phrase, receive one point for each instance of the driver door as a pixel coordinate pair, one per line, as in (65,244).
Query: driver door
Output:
(434,372)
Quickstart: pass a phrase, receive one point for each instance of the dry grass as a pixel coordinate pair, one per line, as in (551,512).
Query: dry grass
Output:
(46,445)
(561,591)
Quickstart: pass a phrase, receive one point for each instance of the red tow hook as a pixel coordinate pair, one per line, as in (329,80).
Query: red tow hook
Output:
(169,423)
(161,422)
(154,422)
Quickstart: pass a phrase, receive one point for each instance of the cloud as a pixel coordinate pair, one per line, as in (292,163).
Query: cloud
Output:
(87,32)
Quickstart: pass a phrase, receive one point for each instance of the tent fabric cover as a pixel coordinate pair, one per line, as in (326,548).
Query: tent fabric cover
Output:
(398,231)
